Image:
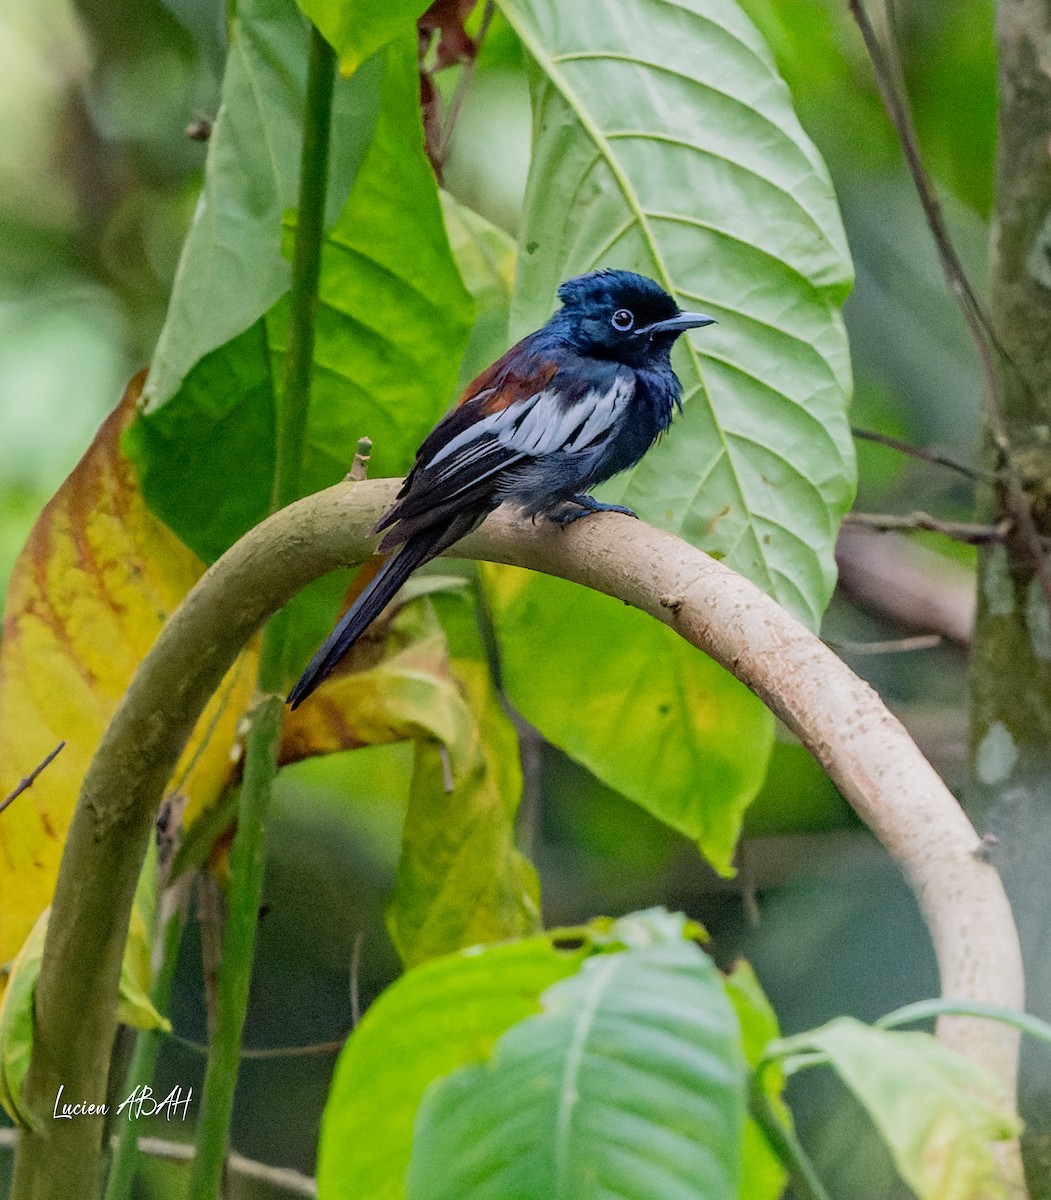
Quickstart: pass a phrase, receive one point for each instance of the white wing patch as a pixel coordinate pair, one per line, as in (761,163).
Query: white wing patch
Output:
(542,429)
(605,411)
(490,425)
(539,425)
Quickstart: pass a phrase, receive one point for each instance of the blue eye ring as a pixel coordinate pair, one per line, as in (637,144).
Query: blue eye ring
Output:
(622,320)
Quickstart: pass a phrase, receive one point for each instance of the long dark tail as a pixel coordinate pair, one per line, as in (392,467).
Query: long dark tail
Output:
(368,606)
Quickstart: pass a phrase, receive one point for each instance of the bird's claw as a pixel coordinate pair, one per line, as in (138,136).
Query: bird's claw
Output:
(585,506)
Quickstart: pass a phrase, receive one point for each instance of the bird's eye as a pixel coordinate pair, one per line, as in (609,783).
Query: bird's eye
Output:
(623,320)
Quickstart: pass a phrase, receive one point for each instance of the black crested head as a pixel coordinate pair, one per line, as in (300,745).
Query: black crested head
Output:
(621,315)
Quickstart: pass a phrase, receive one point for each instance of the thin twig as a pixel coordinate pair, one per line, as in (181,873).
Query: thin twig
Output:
(897,108)
(355,979)
(30,779)
(746,878)
(265,1052)
(283,1178)
(978,325)
(959,531)
(939,460)
(448,780)
(905,645)
(463,84)
(531,753)
(211,921)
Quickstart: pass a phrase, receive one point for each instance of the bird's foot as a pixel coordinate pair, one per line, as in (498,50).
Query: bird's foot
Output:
(583,505)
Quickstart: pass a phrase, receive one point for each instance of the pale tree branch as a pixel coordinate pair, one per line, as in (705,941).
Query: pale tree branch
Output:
(865,750)
(896,577)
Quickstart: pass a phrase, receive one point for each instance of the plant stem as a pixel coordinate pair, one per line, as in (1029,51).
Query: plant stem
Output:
(939,460)
(806,1183)
(247,860)
(294,404)
(924,1010)
(248,855)
(144,1062)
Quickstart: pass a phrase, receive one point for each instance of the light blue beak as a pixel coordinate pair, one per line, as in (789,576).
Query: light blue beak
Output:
(683,321)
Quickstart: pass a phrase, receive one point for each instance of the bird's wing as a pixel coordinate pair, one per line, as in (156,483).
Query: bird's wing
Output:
(519,409)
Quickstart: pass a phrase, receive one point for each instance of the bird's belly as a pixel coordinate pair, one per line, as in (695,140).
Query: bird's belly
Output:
(545,483)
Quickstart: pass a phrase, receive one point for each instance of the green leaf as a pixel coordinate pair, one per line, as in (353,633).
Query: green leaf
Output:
(938,1113)
(647,927)
(232,270)
(460,879)
(134,1007)
(665,141)
(485,256)
(630,1083)
(762,1175)
(642,709)
(393,314)
(222,414)
(16,1023)
(392,320)
(437,1017)
(357,28)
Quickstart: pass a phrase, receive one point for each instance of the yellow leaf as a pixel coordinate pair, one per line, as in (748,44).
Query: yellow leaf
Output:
(393,686)
(89,593)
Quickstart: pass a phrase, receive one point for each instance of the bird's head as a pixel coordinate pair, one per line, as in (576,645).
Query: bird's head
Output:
(622,316)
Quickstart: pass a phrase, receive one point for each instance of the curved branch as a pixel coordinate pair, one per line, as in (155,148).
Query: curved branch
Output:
(863,747)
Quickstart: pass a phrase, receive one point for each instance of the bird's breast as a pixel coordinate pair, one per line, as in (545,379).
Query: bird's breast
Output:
(644,419)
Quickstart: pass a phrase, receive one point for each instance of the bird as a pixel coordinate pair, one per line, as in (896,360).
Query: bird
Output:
(566,408)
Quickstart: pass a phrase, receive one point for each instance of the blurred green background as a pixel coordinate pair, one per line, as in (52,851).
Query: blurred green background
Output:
(96,189)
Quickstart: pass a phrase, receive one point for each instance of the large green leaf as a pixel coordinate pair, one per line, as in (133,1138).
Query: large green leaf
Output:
(436,1018)
(938,1113)
(392,321)
(232,269)
(636,704)
(629,1084)
(665,141)
(486,258)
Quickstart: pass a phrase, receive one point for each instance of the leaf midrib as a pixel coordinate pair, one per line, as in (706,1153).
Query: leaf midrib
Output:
(569,1090)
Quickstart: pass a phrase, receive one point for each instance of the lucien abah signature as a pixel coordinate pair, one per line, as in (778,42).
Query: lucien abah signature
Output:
(140,1102)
